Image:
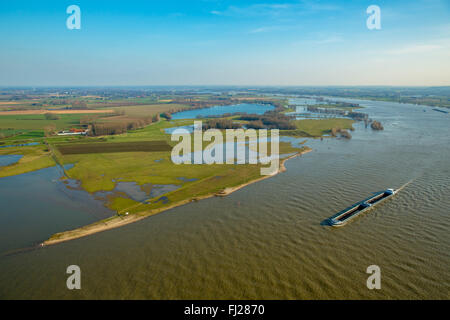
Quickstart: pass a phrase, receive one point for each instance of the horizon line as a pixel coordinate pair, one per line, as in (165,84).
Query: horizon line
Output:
(221,85)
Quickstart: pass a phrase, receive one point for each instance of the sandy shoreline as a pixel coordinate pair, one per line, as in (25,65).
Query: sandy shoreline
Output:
(119,221)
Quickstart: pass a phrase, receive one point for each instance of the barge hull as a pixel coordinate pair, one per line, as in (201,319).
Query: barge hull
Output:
(342,218)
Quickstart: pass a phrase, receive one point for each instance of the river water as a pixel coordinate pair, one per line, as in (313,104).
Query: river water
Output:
(35,205)
(266,241)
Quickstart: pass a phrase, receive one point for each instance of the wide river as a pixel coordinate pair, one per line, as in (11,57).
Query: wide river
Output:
(266,241)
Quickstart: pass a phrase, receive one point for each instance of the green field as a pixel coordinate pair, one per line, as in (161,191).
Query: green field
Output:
(24,135)
(318,128)
(38,122)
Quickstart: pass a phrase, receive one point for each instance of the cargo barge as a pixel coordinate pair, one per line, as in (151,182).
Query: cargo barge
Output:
(343,217)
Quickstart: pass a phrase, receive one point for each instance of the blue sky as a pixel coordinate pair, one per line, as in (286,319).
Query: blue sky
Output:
(220,42)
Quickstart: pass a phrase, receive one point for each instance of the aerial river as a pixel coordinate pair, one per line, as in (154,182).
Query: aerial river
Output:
(266,240)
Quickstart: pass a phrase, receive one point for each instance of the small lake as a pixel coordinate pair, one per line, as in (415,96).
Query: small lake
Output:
(140,193)
(9,160)
(248,108)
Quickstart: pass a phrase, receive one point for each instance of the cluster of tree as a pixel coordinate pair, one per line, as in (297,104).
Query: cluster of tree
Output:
(79,105)
(225,115)
(52,102)
(110,128)
(349,105)
(256,124)
(269,120)
(376,125)
(51,116)
(49,130)
(221,124)
(105,128)
(358,116)
(88,119)
(166,115)
(340,132)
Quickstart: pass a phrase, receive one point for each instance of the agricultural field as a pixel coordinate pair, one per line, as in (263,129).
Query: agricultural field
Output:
(105,147)
(39,121)
(148,110)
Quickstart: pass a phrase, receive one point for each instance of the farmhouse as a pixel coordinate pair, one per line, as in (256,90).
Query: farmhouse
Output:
(74,132)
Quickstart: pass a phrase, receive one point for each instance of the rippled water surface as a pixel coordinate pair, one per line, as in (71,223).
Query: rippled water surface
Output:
(35,205)
(266,242)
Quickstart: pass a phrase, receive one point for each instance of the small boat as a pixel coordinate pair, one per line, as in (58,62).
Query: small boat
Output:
(343,217)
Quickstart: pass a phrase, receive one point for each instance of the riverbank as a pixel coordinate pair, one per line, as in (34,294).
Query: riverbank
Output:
(282,168)
(119,221)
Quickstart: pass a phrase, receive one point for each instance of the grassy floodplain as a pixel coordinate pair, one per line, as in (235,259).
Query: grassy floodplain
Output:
(101,172)
(318,128)
(141,156)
